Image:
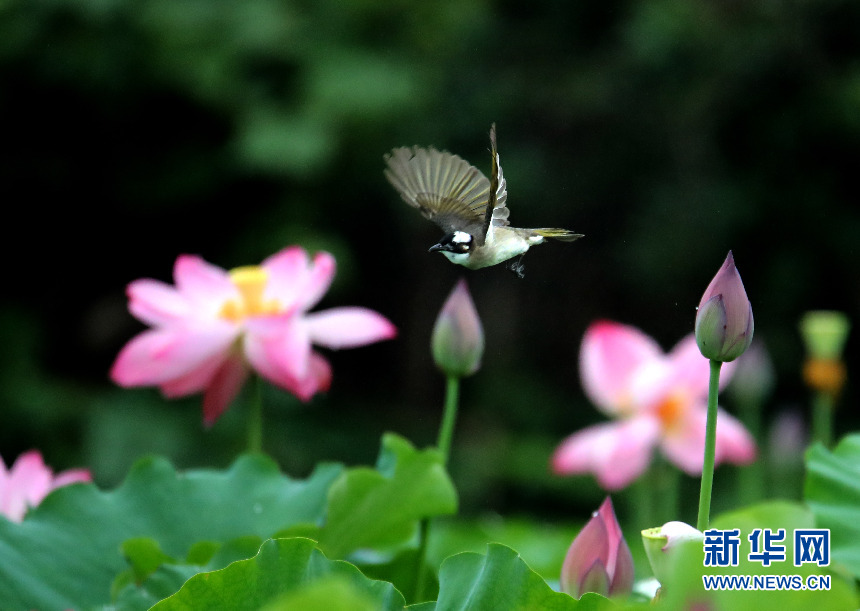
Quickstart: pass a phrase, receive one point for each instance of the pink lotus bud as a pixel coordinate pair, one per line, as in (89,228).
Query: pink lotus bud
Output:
(660,544)
(724,321)
(458,338)
(598,559)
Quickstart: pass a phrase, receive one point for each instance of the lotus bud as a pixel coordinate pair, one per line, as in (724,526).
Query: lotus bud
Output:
(458,338)
(599,559)
(724,320)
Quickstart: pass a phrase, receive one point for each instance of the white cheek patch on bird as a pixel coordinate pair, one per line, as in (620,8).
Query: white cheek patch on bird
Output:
(461,237)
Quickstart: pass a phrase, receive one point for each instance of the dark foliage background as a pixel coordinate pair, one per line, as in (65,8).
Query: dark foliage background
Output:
(667,131)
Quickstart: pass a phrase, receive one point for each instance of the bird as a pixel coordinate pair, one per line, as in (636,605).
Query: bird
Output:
(467,206)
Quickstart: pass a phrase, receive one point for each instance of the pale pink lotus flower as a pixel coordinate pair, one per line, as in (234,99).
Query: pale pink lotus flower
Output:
(29,481)
(656,400)
(215,326)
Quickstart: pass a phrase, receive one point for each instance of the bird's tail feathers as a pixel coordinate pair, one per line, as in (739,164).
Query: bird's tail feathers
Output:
(563,235)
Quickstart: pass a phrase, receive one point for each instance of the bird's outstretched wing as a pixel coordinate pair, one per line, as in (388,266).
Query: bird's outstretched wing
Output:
(448,190)
(496,211)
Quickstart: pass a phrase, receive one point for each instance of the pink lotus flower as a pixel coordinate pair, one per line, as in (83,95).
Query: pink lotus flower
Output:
(599,559)
(212,328)
(657,399)
(29,481)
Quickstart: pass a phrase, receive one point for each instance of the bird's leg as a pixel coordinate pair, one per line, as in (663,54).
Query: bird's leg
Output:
(518,268)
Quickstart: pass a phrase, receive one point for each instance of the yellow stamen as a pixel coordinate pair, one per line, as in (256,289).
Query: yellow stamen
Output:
(251,283)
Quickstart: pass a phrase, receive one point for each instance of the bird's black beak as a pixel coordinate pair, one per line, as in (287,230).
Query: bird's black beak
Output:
(436,247)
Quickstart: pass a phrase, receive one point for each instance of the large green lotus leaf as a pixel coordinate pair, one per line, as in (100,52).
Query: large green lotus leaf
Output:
(285,574)
(502,581)
(67,551)
(542,545)
(381,507)
(328,594)
(153,575)
(832,491)
(683,588)
(369,510)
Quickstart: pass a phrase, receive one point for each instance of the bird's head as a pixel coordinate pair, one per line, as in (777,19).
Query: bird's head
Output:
(455,246)
(458,243)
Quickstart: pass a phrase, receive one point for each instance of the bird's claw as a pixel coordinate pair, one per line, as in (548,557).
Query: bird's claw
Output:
(518,268)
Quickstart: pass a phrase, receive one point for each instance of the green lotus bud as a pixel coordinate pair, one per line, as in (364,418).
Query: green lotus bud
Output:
(458,338)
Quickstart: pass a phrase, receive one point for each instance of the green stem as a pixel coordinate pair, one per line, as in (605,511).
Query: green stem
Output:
(446,434)
(255,418)
(822,418)
(449,417)
(710,449)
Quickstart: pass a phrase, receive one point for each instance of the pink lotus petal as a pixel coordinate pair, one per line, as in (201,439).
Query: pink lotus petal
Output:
(348,327)
(650,384)
(609,356)
(317,380)
(223,388)
(584,568)
(195,380)
(684,445)
(321,372)
(31,477)
(617,452)
(289,363)
(283,357)
(613,530)
(735,444)
(71,476)
(27,482)
(288,274)
(155,302)
(692,370)
(157,356)
(206,286)
(619,562)
(272,325)
(318,280)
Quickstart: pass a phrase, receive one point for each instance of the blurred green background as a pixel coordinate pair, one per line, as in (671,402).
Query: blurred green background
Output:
(666,131)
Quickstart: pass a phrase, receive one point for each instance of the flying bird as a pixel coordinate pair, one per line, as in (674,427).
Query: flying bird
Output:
(467,206)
